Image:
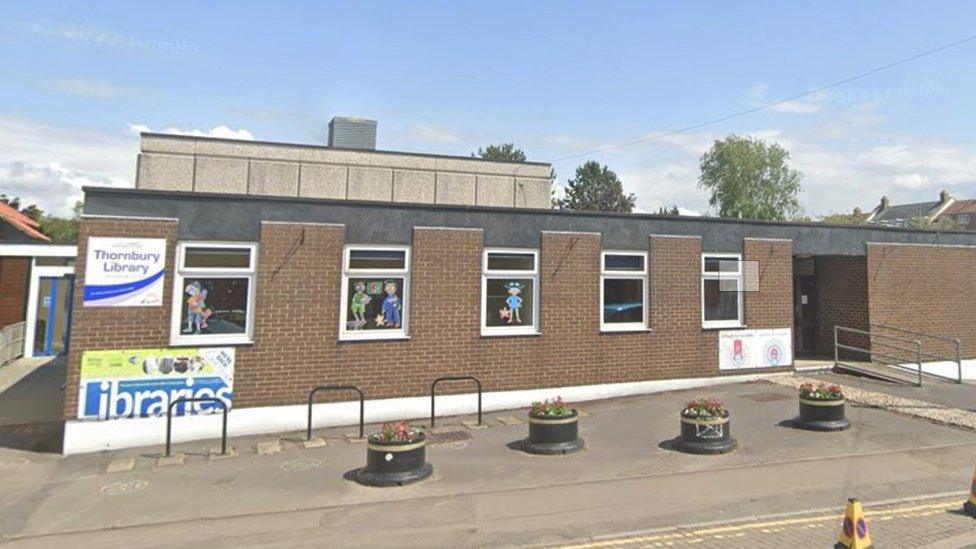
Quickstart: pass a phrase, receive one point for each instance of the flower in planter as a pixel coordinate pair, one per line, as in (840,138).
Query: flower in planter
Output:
(821,391)
(704,408)
(552,408)
(400,431)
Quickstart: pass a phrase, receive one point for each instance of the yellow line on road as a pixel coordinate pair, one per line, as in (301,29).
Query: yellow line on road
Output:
(719,531)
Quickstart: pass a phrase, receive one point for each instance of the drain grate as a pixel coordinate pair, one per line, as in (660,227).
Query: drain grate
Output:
(767,397)
(448,437)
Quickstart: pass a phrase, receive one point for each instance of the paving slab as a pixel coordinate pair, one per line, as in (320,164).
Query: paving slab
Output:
(268,447)
(171,461)
(314,442)
(121,465)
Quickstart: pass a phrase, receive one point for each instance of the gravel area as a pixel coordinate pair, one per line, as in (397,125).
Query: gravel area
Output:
(908,406)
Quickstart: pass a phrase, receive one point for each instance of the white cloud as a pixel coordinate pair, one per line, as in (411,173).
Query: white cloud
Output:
(92,88)
(222,132)
(82,34)
(433,133)
(47,164)
(806,105)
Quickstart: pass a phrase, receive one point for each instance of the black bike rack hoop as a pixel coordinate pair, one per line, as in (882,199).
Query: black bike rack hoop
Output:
(362,405)
(453,378)
(169,421)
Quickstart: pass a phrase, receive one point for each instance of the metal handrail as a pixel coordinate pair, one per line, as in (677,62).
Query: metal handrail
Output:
(838,346)
(362,405)
(453,378)
(955,340)
(169,421)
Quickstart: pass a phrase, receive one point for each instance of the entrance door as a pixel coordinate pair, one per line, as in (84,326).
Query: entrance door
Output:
(53,315)
(805,313)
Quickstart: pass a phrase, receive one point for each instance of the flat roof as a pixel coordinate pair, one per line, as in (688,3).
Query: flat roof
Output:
(327,148)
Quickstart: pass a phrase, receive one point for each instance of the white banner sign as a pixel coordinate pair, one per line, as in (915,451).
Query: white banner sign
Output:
(124,272)
(742,349)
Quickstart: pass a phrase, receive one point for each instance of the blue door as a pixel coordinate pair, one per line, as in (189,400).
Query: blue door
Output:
(53,315)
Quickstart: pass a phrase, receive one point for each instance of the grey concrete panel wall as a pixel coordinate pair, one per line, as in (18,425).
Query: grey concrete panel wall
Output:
(165,172)
(496,191)
(456,188)
(273,178)
(323,181)
(413,186)
(370,184)
(173,162)
(220,175)
(533,193)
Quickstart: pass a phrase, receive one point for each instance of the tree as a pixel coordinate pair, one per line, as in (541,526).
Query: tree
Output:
(596,188)
(507,152)
(840,218)
(923,223)
(750,179)
(62,230)
(31,211)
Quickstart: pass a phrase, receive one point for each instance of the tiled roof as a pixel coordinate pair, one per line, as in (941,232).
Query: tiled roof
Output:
(961,207)
(905,211)
(22,223)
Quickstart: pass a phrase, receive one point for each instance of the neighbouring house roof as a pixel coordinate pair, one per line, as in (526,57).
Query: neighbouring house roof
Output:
(905,211)
(961,207)
(22,223)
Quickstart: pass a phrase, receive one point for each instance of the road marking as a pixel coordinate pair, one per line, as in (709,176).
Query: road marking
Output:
(300,464)
(124,486)
(771,526)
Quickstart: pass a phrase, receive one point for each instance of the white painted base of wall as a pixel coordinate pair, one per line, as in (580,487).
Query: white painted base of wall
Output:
(94,436)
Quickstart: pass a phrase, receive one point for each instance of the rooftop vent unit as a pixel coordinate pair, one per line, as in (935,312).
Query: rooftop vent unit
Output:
(352,133)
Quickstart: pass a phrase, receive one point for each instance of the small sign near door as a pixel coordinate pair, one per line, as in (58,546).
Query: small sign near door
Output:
(804,300)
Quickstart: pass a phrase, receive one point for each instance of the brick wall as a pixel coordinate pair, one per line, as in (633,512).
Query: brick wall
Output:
(116,327)
(297,314)
(925,288)
(14,281)
(842,296)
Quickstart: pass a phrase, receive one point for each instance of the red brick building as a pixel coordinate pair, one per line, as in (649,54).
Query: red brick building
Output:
(389,296)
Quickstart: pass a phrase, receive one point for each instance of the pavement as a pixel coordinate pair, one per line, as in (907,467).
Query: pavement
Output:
(30,404)
(954,395)
(485,494)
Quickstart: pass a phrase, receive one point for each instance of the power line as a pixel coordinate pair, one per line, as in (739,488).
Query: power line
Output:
(773,104)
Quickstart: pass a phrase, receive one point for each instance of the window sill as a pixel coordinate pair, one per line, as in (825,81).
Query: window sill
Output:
(345,338)
(205,341)
(624,330)
(709,327)
(513,333)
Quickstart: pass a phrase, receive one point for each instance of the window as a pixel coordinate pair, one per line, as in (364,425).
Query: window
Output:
(213,294)
(375,292)
(510,292)
(623,291)
(722,291)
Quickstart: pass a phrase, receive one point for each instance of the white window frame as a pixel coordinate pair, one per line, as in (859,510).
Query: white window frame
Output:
(737,276)
(403,332)
(486,274)
(624,275)
(180,274)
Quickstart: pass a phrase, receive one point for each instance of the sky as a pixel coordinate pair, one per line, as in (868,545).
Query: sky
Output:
(79,80)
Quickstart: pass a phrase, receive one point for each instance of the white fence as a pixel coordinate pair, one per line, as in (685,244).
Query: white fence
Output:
(11,342)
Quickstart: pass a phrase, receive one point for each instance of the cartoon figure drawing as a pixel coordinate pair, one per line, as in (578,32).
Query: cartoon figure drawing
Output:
(391,305)
(513,302)
(197,311)
(358,307)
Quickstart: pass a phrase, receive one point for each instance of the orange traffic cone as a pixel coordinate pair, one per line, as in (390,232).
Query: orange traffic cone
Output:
(854,534)
(970,505)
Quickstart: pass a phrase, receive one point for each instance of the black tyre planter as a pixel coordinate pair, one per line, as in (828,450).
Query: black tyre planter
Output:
(395,463)
(553,435)
(822,415)
(706,435)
